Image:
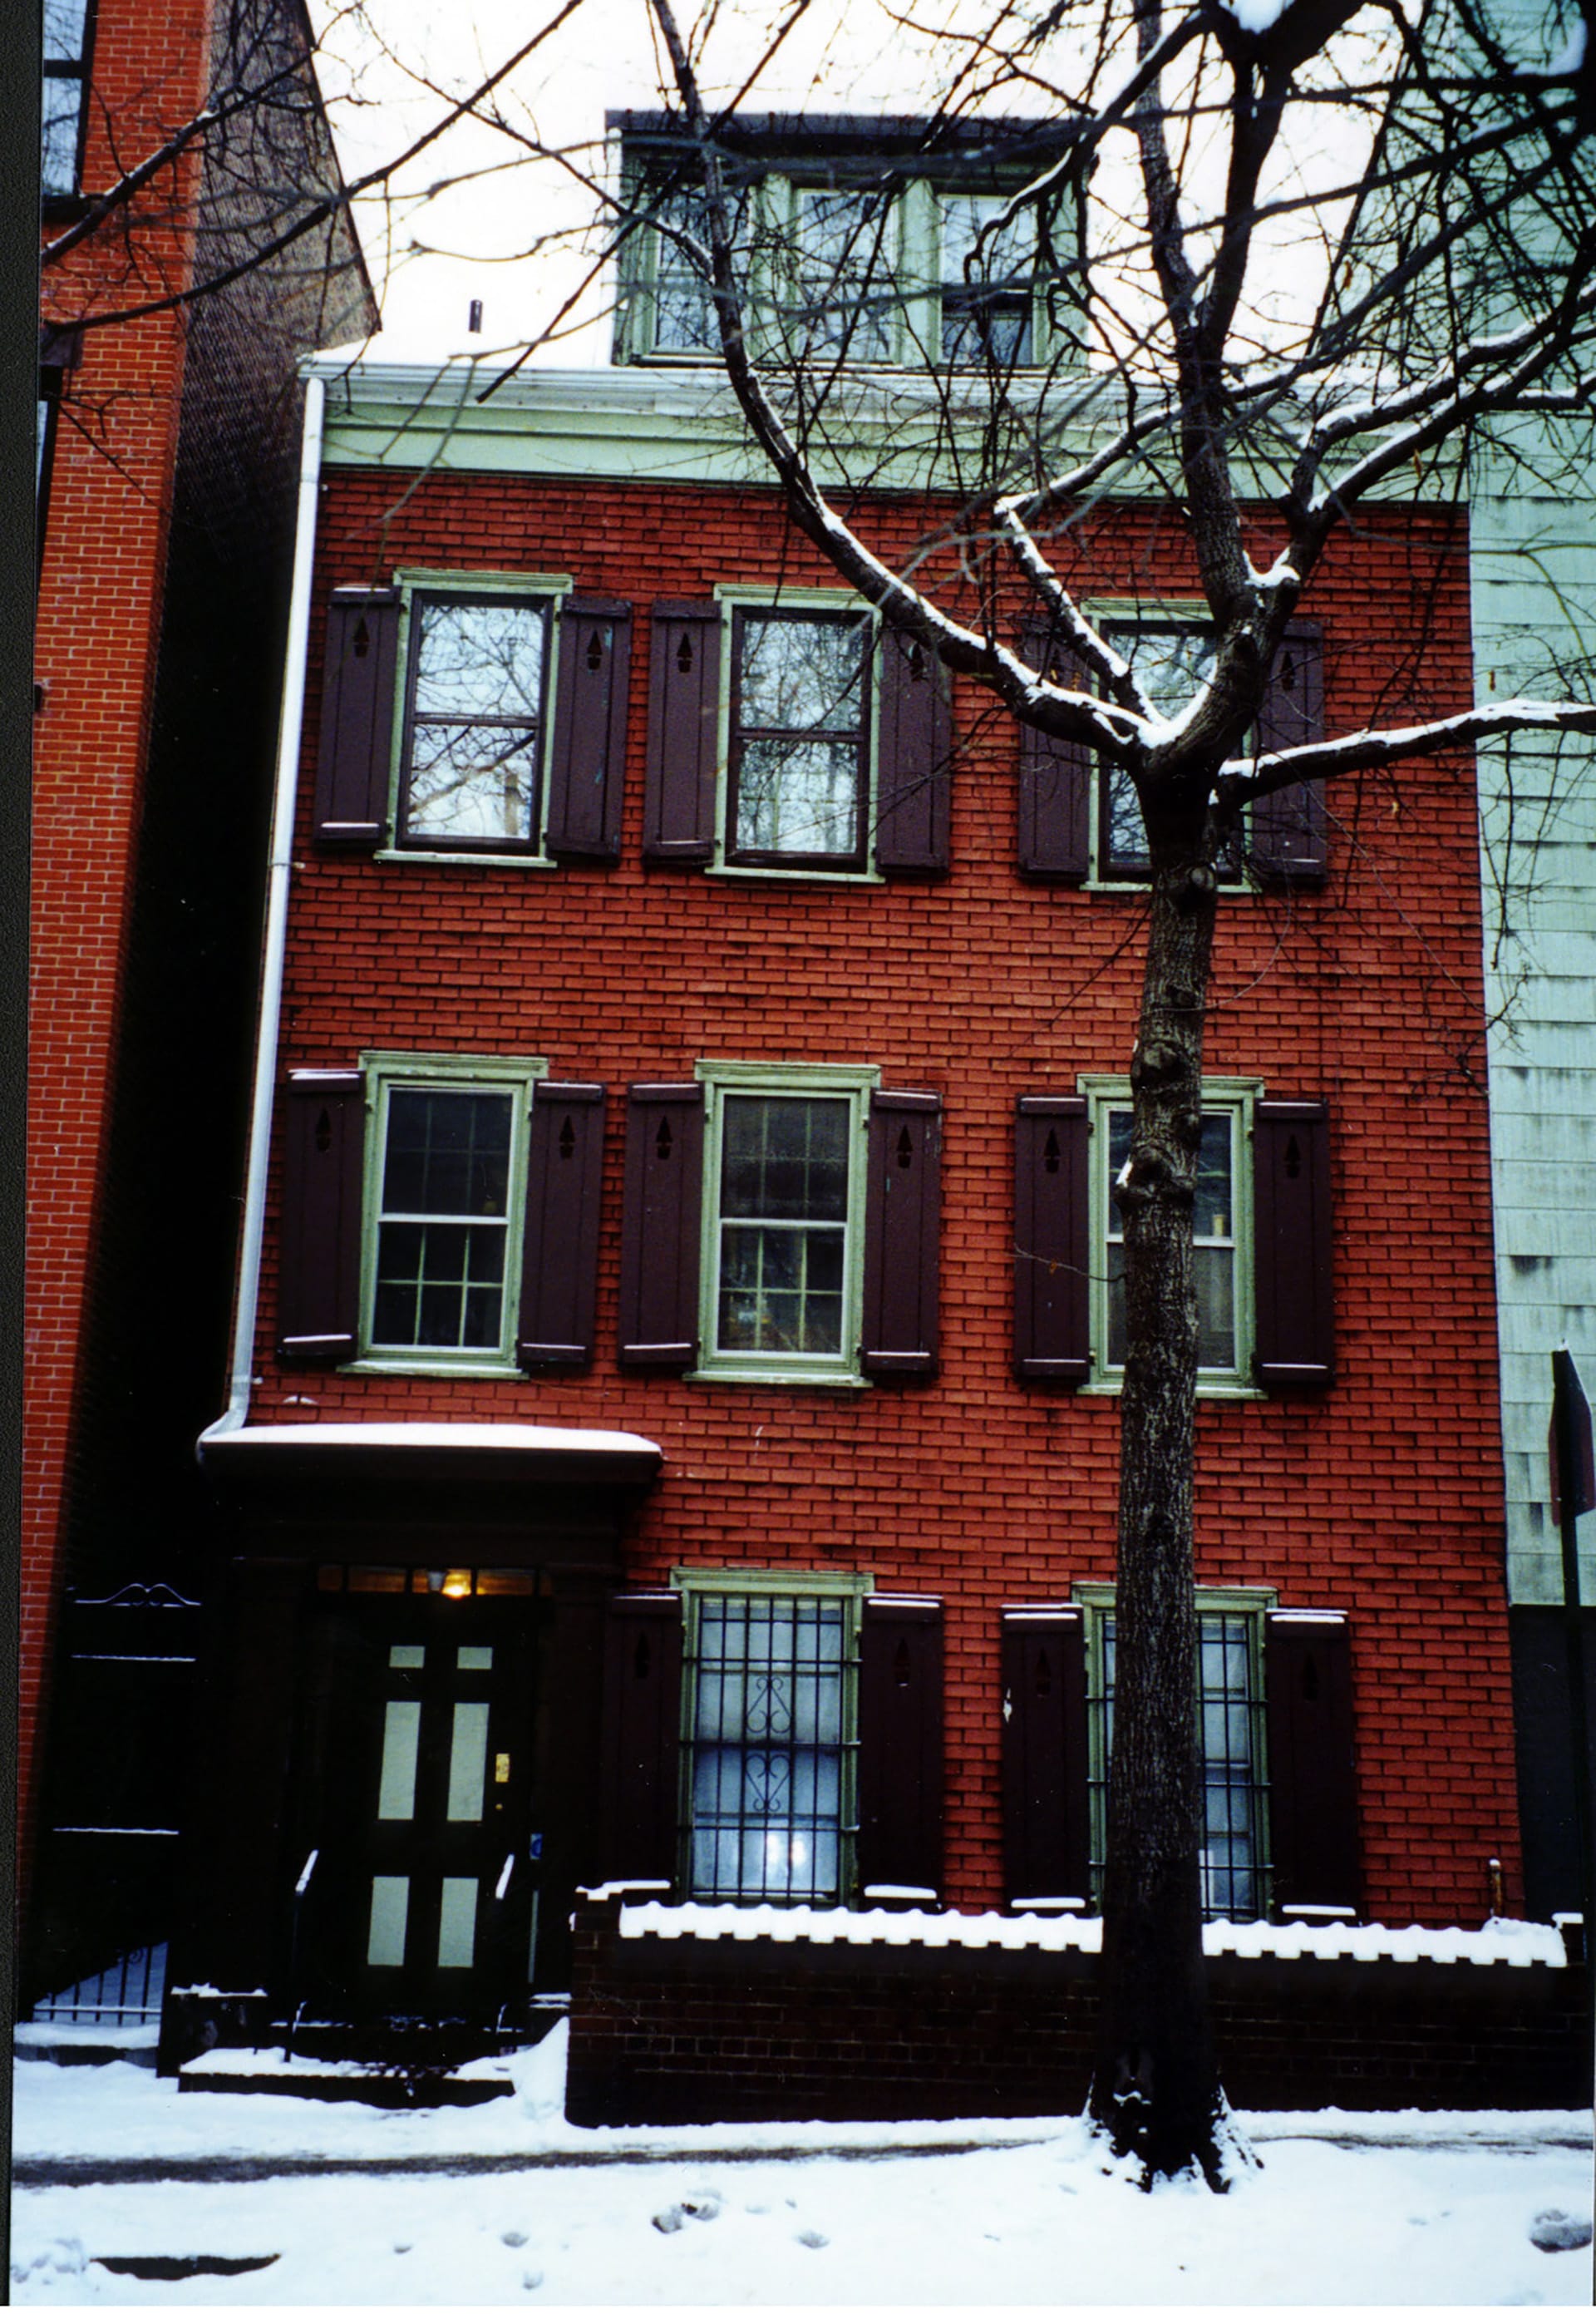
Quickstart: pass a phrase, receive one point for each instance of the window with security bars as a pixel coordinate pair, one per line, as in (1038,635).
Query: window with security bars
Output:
(474,731)
(769,1770)
(783,1225)
(1230,1709)
(443,1225)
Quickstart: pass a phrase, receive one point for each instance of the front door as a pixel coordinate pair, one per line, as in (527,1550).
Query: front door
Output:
(427,1905)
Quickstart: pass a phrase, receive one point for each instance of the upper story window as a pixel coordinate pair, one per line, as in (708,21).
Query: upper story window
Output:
(988,280)
(469,774)
(61,114)
(879,252)
(1172,664)
(798,770)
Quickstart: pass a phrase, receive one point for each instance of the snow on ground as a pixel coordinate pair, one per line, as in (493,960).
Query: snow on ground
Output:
(1348,2209)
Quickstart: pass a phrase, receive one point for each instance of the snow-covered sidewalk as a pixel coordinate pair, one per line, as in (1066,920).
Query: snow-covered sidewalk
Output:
(486,2206)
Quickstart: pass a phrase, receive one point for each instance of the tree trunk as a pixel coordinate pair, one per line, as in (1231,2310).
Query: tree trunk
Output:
(1156,2088)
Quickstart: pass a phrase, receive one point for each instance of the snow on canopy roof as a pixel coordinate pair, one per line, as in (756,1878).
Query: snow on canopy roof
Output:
(1520,1944)
(526,1437)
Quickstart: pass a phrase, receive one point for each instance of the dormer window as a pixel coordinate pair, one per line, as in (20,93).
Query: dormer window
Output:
(869,247)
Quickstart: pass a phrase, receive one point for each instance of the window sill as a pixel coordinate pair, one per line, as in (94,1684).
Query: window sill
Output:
(1205,1389)
(476,1369)
(732,874)
(410,857)
(782,1377)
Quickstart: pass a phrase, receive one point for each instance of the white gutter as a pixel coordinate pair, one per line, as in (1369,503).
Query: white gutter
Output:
(276,919)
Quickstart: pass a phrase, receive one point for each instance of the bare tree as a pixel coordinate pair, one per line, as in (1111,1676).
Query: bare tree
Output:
(1420,184)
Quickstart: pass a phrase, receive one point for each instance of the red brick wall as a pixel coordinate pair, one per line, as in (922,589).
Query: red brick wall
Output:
(97,637)
(1381,1499)
(698,2029)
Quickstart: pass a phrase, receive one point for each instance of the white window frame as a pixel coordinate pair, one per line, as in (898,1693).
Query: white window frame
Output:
(1256,1602)
(799,1080)
(467,1073)
(1237,1098)
(696,1584)
(1177,616)
(548,588)
(834,601)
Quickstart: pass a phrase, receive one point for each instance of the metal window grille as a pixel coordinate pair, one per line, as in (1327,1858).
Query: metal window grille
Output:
(128,1992)
(769,1768)
(1230,1710)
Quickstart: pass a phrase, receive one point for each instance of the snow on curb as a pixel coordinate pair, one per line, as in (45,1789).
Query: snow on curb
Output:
(1515,1943)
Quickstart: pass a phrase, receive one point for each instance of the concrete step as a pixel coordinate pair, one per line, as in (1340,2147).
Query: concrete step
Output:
(347,2079)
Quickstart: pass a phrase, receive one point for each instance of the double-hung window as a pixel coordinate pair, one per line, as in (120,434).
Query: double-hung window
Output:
(799,767)
(444,1197)
(782,1219)
(770,1730)
(1230,1710)
(1173,664)
(1221,1232)
(846,275)
(987,280)
(61,116)
(471,748)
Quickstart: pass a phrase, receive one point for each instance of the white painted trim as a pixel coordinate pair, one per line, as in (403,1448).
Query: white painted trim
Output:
(279,875)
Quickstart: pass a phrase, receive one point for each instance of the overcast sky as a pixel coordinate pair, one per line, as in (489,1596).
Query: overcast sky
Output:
(430,260)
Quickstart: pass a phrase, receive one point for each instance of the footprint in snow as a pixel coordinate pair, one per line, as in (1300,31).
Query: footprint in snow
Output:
(811,2239)
(1555,2230)
(532,2279)
(513,2241)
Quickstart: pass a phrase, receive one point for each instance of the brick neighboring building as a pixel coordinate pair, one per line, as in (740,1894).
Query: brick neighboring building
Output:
(677,1441)
(168,449)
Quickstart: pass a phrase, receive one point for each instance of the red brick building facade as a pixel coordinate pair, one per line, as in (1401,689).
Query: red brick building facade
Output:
(168,437)
(915,1500)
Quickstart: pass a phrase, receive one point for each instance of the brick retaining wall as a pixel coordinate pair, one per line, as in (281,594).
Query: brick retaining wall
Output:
(670,2030)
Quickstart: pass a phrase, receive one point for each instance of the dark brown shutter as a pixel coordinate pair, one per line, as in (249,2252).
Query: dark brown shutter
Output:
(641,1740)
(560,1248)
(319,1233)
(1292,1275)
(1045,1837)
(587,743)
(1313,1796)
(900,1747)
(661,1225)
(358,680)
(684,734)
(913,766)
(1052,1239)
(1288,829)
(902,1231)
(1055,779)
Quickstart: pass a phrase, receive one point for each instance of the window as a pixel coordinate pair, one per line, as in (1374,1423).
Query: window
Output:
(770,1728)
(988,284)
(1221,1232)
(471,768)
(847,281)
(799,773)
(782,1263)
(445,1191)
(1235,1856)
(1172,662)
(66,47)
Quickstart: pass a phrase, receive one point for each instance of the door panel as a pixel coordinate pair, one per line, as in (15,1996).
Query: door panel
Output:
(420,1763)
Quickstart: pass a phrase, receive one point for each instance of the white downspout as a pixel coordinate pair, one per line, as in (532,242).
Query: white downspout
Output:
(277,921)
